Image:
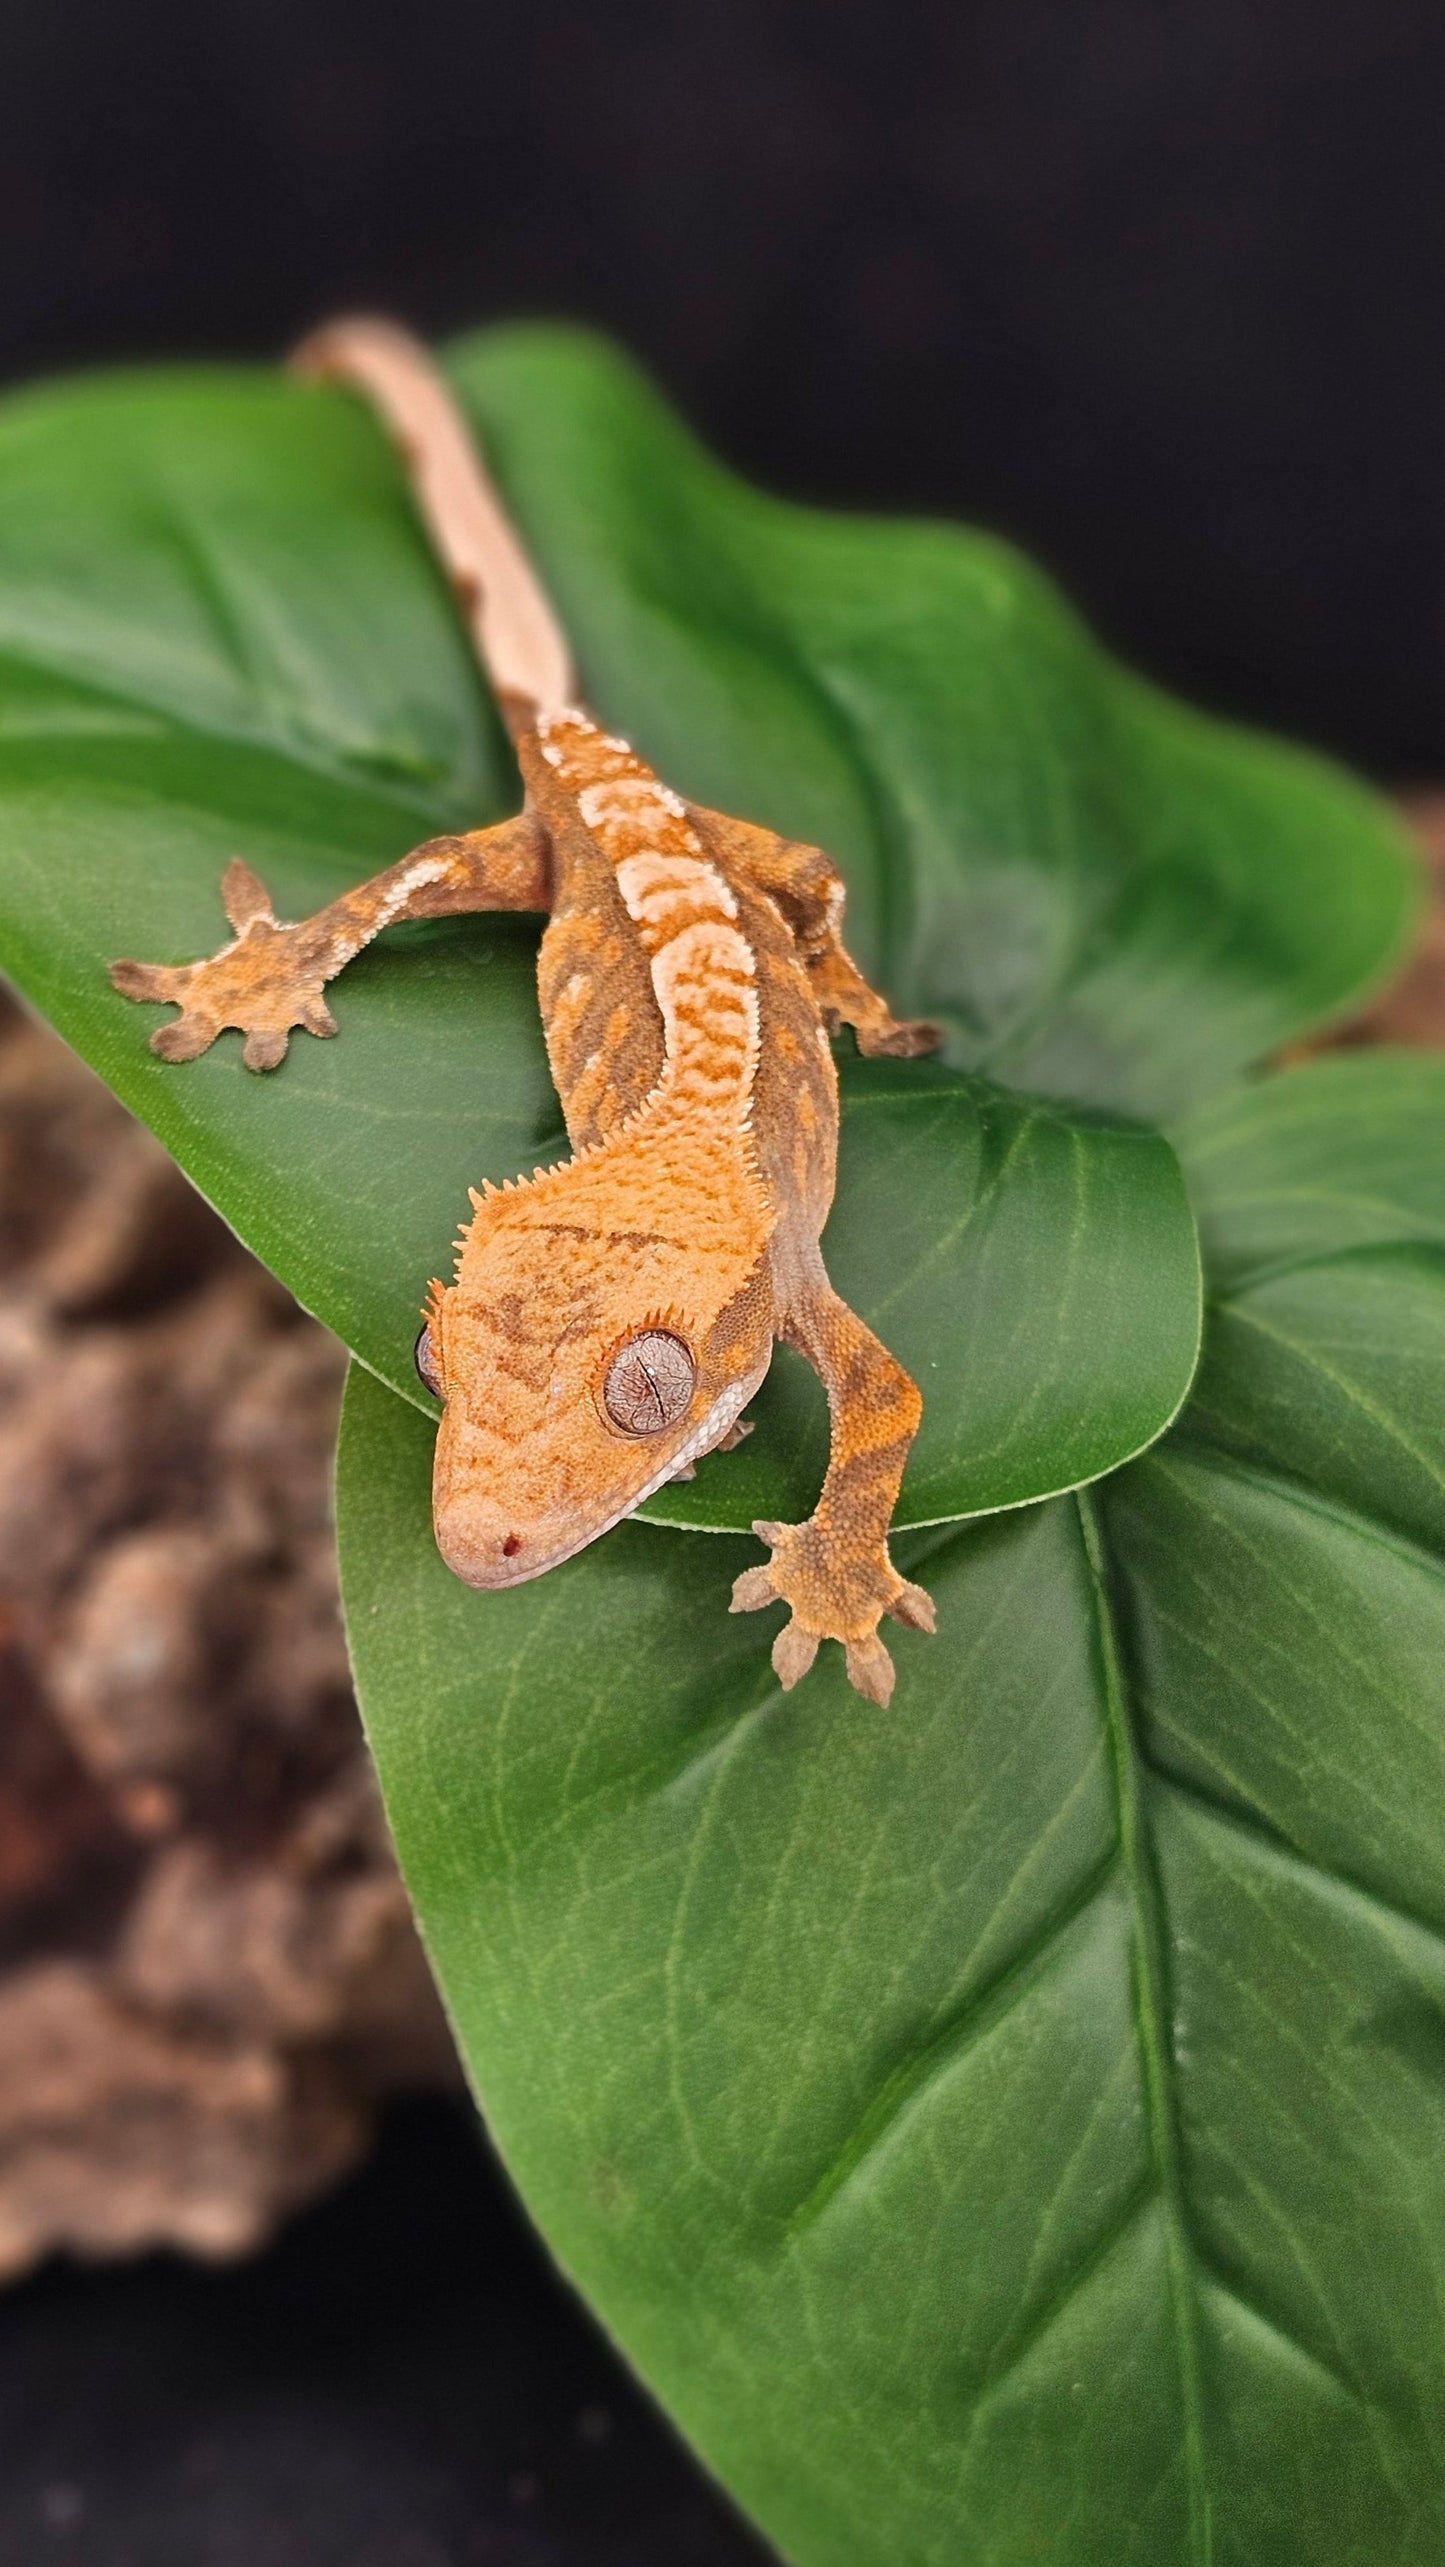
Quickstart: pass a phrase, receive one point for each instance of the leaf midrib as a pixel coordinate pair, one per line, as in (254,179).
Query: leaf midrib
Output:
(1151,2026)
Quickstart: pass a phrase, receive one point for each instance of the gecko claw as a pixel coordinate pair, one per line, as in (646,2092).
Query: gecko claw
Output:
(265,1048)
(184,1039)
(898,1042)
(914,1606)
(793,1653)
(154,981)
(244,896)
(752,1590)
(870,1669)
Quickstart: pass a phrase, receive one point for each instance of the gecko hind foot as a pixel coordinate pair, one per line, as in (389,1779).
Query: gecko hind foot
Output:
(264,982)
(833,1597)
(899,1039)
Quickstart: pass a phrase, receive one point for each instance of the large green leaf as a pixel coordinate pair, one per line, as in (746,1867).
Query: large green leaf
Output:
(1101,893)
(1012,2128)
(219,624)
(1346,1152)
(218,630)
(1007,2129)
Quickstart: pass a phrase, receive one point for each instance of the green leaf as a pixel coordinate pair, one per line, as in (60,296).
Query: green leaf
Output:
(1012,2128)
(1035,1268)
(1342,1153)
(219,631)
(1100,892)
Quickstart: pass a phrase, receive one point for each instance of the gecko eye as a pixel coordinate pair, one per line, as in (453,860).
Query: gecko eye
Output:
(423,1355)
(649,1383)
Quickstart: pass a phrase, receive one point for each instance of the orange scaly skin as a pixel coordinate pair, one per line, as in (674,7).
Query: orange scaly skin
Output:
(609,1318)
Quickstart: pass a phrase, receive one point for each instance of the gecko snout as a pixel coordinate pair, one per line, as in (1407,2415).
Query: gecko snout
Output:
(486,1558)
(487,1538)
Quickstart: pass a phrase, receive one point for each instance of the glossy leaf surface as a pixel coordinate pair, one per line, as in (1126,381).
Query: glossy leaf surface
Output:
(219,631)
(1013,2127)
(1099,891)
(1035,1267)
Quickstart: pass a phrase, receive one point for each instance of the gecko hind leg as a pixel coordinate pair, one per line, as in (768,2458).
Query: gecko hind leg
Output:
(834,1570)
(808,888)
(271,975)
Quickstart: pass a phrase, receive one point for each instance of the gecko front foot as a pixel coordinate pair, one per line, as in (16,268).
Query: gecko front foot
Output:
(269,978)
(834,1595)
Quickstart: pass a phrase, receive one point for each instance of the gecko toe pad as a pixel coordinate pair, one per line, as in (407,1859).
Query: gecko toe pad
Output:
(244,896)
(751,1591)
(897,1040)
(870,1669)
(265,1047)
(184,1039)
(914,1605)
(150,980)
(793,1653)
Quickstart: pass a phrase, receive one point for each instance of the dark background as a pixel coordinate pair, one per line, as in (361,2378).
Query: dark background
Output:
(1154,286)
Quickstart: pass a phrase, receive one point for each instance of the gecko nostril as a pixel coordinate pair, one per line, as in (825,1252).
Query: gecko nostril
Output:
(511,1546)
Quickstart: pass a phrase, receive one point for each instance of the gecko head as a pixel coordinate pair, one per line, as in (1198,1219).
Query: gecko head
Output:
(572,1390)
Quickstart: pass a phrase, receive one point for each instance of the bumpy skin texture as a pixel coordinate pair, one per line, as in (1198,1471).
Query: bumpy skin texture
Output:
(610,1318)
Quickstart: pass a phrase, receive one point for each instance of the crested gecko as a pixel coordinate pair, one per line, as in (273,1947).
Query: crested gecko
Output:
(609,1318)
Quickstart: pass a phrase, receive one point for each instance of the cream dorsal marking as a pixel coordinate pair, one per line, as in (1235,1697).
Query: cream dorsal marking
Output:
(703,971)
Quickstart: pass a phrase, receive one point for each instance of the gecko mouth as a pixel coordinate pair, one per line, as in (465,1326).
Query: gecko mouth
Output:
(504,1556)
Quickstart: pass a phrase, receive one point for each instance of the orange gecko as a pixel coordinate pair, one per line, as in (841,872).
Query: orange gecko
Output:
(610,1318)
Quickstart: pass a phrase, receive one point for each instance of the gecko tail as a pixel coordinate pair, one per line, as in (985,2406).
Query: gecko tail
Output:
(513,625)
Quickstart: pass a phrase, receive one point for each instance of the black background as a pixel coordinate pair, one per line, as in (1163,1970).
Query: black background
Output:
(1155,288)
(1154,285)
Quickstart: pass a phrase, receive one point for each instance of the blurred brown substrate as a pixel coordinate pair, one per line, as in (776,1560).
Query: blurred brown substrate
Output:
(1412,1010)
(208,1977)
